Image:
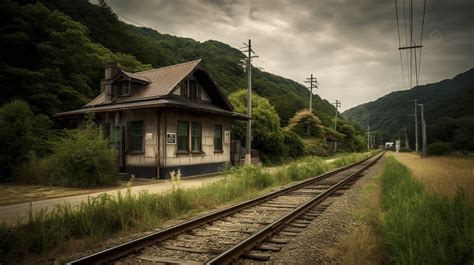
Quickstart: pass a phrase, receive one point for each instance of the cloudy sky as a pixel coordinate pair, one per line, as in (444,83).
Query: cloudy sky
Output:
(350,45)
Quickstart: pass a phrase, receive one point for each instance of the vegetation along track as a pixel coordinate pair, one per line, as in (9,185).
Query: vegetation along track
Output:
(251,230)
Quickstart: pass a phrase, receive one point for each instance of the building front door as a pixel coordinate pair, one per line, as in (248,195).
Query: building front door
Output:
(118,142)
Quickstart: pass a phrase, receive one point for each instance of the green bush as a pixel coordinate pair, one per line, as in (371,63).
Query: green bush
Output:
(16,123)
(293,143)
(33,171)
(306,168)
(82,158)
(439,148)
(315,147)
(423,228)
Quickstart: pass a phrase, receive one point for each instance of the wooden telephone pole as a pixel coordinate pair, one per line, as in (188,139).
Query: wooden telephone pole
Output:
(337,104)
(313,82)
(248,139)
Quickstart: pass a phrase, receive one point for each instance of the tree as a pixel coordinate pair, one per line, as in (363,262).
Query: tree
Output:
(50,60)
(267,135)
(306,124)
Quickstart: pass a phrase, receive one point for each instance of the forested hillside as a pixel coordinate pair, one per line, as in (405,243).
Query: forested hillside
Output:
(69,40)
(449,111)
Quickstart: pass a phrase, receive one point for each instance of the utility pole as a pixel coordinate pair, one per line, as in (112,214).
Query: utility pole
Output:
(368,138)
(313,82)
(337,104)
(248,138)
(416,124)
(423,129)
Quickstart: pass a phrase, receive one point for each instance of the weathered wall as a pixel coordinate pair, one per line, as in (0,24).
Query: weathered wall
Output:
(208,156)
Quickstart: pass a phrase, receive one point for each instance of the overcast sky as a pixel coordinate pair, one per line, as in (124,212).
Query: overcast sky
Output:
(350,46)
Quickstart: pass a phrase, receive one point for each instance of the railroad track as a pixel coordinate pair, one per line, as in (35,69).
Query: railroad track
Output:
(250,231)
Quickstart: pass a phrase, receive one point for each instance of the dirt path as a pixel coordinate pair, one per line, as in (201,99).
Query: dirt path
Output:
(10,213)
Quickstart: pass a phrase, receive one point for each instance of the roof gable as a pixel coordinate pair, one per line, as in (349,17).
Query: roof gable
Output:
(162,82)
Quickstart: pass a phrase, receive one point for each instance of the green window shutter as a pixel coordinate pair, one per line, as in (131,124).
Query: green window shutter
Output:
(183,136)
(196,140)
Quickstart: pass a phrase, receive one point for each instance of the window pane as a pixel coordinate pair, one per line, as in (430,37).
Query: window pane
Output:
(183,136)
(136,136)
(192,89)
(196,136)
(218,138)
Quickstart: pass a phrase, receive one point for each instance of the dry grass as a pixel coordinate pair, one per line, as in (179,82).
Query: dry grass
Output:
(441,175)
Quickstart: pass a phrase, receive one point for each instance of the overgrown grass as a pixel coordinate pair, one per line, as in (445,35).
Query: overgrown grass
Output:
(442,175)
(352,158)
(421,227)
(106,215)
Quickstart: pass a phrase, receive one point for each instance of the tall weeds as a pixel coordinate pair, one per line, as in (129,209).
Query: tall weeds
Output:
(422,227)
(105,215)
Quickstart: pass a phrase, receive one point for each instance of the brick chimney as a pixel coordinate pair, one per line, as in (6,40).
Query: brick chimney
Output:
(106,84)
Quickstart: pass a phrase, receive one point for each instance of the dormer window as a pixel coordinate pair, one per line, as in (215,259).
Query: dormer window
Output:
(124,89)
(190,89)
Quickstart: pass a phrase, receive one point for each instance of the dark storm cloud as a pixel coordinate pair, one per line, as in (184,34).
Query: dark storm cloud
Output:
(350,45)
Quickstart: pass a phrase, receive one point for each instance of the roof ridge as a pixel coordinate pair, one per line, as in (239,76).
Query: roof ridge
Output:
(169,66)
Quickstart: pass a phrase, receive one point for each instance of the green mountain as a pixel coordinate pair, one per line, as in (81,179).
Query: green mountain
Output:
(44,33)
(449,111)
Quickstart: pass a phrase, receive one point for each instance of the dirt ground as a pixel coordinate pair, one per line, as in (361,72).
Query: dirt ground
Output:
(13,193)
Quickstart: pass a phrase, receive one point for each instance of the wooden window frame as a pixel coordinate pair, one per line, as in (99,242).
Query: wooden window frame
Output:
(221,150)
(186,150)
(131,135)
(199,150)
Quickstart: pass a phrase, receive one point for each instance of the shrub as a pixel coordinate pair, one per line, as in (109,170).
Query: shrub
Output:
(82,158)
(439,148)
(16,123)
(309,167)
(294,143)
(33,171)
(315,147)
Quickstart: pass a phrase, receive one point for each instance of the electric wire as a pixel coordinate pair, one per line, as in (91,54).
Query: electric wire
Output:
(399,44)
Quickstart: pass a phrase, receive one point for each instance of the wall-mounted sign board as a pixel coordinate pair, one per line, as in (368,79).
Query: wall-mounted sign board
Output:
(170,138)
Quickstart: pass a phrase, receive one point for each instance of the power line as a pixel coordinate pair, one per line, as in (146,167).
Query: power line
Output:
(399,44)
(421,36)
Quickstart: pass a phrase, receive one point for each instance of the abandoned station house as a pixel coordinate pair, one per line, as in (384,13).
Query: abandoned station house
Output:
(164,119)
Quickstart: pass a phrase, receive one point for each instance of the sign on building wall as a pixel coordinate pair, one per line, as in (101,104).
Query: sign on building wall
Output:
(227,137)
(170,138)
(149,136)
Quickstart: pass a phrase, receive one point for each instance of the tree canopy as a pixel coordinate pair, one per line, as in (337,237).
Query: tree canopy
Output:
(267,135)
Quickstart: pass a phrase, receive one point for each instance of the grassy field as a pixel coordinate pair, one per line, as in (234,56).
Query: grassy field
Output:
(107,215)
(421,226)
(442,175)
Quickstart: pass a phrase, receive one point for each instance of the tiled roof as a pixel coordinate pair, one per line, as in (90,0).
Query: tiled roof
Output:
(161,82)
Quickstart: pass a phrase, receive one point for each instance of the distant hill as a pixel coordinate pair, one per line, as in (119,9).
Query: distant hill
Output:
(449,111)
(224,62)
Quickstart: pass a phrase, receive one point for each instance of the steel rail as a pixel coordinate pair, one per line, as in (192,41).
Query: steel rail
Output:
(116,252)
(258,238)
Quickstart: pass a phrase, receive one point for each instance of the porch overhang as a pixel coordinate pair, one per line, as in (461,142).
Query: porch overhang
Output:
(154,104)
